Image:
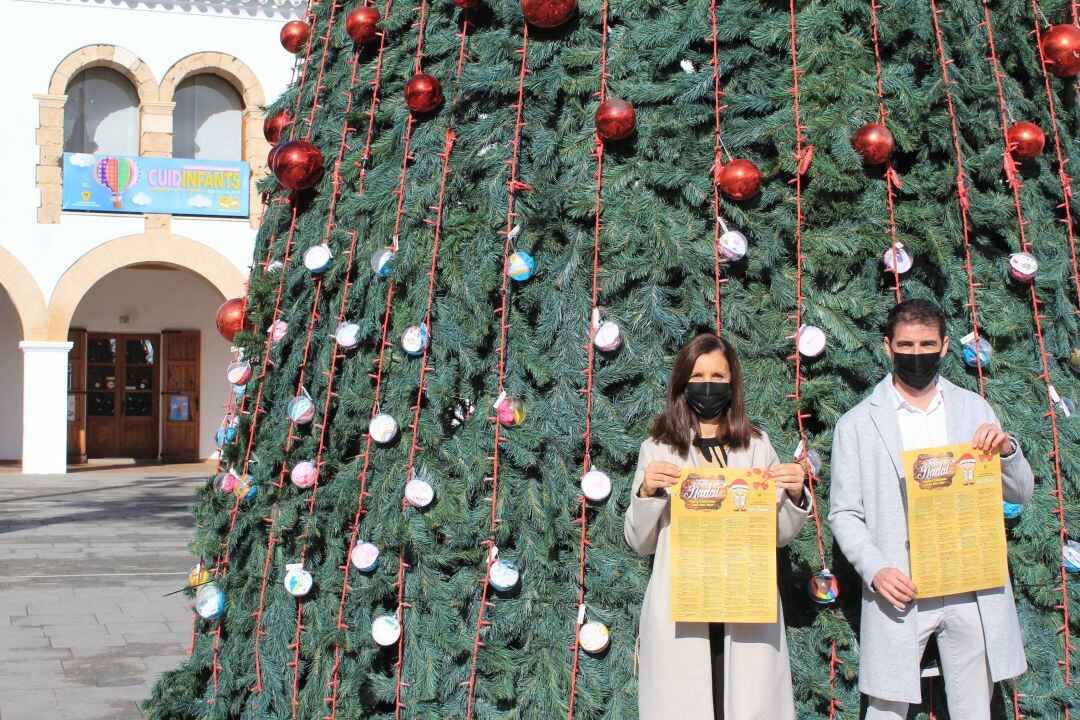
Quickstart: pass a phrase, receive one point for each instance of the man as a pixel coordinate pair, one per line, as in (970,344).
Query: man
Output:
(977,633)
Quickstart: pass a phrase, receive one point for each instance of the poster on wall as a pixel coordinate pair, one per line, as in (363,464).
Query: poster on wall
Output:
(179,408)
(173,186)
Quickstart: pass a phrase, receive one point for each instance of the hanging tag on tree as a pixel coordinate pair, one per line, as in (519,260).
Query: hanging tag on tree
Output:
(303,474)
(594,637)
(1023,266)
(383,428)
(278,331)
(347,335)
(899,258)
(595,486)
(298,581)
(503,575)
(238,373)
(415,339)
(301,408)
(823,587)
(419,493)
(317,258)
(976,354)
(382,262)
(364,557)
(209,602)
(810,340)
(385,630)
(520,266)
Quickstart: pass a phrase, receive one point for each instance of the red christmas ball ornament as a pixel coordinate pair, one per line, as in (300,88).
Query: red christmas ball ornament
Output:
(297,164)
(548,13)
(423,93)
(740,179)
(1061,47)
(874,142)
(466,4)
(362,24)
(1025,140)
(615,119)
(295,35)
(276,124)
(230,318)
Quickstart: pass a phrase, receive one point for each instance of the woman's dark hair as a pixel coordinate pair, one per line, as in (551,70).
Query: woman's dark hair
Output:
(677,425)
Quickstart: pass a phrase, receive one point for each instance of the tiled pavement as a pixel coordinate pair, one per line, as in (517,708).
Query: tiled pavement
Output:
(85,560)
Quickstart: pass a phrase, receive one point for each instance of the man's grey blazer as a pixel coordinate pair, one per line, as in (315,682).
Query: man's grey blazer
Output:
(869,521)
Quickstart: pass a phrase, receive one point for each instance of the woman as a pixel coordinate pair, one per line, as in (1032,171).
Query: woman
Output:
(704,424)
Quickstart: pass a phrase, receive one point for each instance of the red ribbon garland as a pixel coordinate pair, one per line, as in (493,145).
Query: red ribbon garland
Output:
(718,161)
(383,344)
(414,445)
(1063,176)
(513,186)
(582,519)
(804,155)
(961,188)
(892,180)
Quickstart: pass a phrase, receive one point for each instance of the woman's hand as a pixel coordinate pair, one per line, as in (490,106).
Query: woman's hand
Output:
(658,475)
(788,477)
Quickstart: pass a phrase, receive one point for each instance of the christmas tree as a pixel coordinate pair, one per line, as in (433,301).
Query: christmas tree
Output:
(494,223)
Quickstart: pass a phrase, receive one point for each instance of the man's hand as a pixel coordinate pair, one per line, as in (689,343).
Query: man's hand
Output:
(991,437)
(658,475)
(789,477)
(894,586)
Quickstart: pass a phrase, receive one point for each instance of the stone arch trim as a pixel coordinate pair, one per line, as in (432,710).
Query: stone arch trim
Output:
(225,66)
(173,250)
(25,295)
(120,59)
(235,72)
(50,132)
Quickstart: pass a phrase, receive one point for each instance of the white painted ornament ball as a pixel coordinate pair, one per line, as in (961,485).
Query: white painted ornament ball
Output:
(608,336)
(419,493)
(385,630)
(594,636)
(298,581)
(810,341)
(595,485)
(364,557)
(503,575)
(383,428)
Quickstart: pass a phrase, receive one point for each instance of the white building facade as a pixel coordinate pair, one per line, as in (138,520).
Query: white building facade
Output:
(108,346)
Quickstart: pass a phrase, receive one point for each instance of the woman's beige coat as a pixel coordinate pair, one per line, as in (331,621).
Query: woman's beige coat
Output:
(675,677)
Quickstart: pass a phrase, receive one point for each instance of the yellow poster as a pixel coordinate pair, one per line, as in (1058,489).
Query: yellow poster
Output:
(955,525)
(723,546)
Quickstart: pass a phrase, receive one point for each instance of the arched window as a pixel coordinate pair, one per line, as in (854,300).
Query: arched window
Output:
(208,119)
(101,114)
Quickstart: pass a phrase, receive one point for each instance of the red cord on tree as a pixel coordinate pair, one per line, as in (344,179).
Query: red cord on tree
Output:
(513,186)
(718,162)
(892,183)
(362,476)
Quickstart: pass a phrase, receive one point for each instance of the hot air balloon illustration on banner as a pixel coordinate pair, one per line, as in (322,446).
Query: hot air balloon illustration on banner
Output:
(116,175)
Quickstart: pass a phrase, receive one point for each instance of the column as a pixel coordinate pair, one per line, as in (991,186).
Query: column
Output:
(45,390)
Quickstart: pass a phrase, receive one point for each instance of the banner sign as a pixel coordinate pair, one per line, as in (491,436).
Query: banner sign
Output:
(723,546)
(955,525)
(174,186)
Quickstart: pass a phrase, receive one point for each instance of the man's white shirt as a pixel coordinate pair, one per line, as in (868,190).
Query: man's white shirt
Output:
(921,428)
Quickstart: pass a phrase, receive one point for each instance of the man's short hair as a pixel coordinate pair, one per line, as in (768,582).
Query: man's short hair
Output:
(915,312)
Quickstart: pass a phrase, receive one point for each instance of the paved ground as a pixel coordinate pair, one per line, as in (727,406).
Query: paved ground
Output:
(85,559)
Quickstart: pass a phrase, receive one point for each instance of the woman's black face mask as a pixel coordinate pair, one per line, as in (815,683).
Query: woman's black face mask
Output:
(708,400)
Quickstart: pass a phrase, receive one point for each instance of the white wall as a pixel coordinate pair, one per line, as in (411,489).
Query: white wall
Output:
(11,380)
(160,35)
(156,300)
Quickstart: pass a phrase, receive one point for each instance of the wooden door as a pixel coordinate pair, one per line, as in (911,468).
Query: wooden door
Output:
(102,410)
(76,408)
(122,395)
(180,393)
(139,397)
